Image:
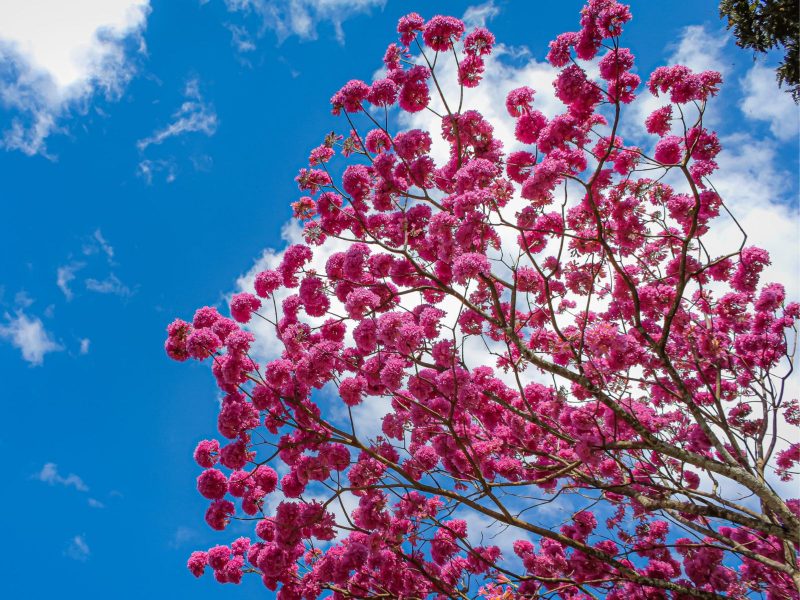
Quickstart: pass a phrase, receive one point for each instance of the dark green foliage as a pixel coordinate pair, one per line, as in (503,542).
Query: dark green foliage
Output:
(766,24)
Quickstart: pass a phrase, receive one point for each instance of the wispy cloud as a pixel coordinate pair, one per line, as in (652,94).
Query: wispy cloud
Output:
(481,14)
(85,345)
(22,299)
(107,248)
(148,168)
(241,38)
(78,549)
(194,116)
(50,475)
(109,285)
(55,56)
(701,49)
(29,335)
(762,102)
(181,537)
(66,274)
(98,244)
(297,17)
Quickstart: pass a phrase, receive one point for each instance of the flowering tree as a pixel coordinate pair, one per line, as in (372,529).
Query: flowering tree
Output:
(625,374)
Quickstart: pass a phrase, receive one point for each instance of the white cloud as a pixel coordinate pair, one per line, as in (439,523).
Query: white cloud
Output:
(299,17)
(700,50)
(241,38)
(98,243)
(194,116)
(64,275)
(95,503)
(50,475)
(181,537)
(107,248)
(763,102)
(109,285)
(55,56)
(22,299)
(758,193)
(479,15)
(148,168)
(78,549)
(29,336)
(85,345)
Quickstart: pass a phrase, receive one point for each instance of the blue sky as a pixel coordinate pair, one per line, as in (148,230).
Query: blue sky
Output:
(141,184)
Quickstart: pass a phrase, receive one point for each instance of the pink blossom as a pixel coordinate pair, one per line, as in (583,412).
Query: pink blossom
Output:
(202,343)
(234,455)
(223,327)
(751,262)
(243,305)
(266,529)
(519,101)
(267,282)
(470,265)
(615,62)
(382,92)
(669,150)
(360,301)
(312,180)
(320,154)
(391,58)
(377,141)
(470,71)
(177,333)
(479,42)
(218,514)
(529,126)
(408,26)
(350,390)
(266,478)
(658,121)
(559,53)
(238,483)
(313,296)
(356,181)
(518,165)
(683,85)
(197,563)
(218,557)
(441,31)
(206,453)
(414,96)
(291,486)
(238,342)
(771,298)
(412,144)
(205,317)
(350,97)
(212,484)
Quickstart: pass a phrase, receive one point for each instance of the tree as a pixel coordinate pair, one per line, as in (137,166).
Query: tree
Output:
(766,24)
(548,332)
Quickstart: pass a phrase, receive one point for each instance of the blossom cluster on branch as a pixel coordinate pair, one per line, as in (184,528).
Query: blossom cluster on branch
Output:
(626,368)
